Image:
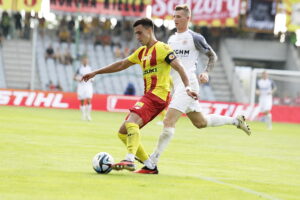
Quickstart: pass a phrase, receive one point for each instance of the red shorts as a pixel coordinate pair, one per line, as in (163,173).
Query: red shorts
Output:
(149,106)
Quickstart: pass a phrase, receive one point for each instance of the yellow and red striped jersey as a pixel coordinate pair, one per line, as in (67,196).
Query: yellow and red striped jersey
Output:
(155,62)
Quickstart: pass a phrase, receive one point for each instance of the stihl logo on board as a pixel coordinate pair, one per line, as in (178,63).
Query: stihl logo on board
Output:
(36,99)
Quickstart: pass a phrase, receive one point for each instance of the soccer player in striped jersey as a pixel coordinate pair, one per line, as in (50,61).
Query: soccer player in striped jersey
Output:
(188,45)
(156,59)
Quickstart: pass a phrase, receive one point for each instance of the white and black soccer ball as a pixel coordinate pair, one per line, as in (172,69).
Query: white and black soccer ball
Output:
(102,163)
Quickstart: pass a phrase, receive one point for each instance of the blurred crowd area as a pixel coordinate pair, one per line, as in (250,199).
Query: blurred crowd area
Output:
(286,99)
(117,33)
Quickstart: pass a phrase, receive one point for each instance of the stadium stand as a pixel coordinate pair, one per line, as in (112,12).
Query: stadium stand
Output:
(2,76)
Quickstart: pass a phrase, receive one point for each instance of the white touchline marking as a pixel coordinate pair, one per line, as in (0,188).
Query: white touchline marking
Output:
(260,194)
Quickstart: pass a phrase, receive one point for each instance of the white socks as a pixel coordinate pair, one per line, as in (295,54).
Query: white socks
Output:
(82,108)
(88,108)
(219,120)
(130,157)
(86,112)
(163,141)
(148,163)
(269,121)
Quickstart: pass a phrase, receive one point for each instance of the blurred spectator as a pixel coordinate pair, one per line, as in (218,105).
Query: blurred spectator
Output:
(276,100)
(1,38)
(106,39)
(63,23)
(68,59)
(118,52)
(5,24)
(287,100)
(107,26)
(127,31)
(50,53)
(297,99)
(71,29)
(84,29)
(42,26)
(58,87)
(64,35)
(18,23)
(98,38)
(51,86)
(159,32)
(215,38)
(130,89)
(127,52)
(95,25)
(27,29)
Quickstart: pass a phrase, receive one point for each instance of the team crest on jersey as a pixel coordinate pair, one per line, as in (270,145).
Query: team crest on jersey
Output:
(138,105)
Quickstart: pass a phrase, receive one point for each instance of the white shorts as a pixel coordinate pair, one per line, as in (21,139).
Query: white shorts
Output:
(183,102)
(265,103)
(84,92)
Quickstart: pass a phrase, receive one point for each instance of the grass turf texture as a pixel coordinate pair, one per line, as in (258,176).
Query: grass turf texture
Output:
(47,153)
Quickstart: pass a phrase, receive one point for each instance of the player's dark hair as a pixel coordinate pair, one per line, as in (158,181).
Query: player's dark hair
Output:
(145,22)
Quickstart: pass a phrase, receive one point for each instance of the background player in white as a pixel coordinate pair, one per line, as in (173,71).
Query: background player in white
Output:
(265,89)
(187,45)
(84,89)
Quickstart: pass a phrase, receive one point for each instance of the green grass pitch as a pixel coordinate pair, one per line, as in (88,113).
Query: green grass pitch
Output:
(45,154)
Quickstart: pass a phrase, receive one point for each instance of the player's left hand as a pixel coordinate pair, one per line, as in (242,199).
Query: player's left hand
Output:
(203,77)
(192,94)
(88,76)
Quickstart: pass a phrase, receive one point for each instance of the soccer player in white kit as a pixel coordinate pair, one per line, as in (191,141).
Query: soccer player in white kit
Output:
(265,89)
(84,89)
(187,45)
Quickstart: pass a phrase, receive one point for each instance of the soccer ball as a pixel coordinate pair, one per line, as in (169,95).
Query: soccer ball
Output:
(102,163)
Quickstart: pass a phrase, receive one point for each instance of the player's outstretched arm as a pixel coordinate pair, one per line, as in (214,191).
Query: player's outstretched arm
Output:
(114,67)
(176,65)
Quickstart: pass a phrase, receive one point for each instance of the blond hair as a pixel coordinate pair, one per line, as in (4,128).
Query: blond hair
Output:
(185,8)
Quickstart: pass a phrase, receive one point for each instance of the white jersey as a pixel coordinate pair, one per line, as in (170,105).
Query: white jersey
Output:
(84,89)
(265,87)
(187,46)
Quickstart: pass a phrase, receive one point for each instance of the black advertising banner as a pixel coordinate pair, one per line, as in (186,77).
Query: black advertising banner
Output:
(260,15)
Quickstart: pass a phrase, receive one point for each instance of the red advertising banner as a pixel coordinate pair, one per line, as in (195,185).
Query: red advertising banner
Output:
(120,103)
(103,7)
(204,12)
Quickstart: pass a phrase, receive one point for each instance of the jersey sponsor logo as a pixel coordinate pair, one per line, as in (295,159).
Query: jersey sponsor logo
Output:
(147,57)
(148,71)
(182,53)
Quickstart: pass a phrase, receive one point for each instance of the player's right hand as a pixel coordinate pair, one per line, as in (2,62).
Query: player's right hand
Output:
(203,77)
(192,94)
(88,76)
